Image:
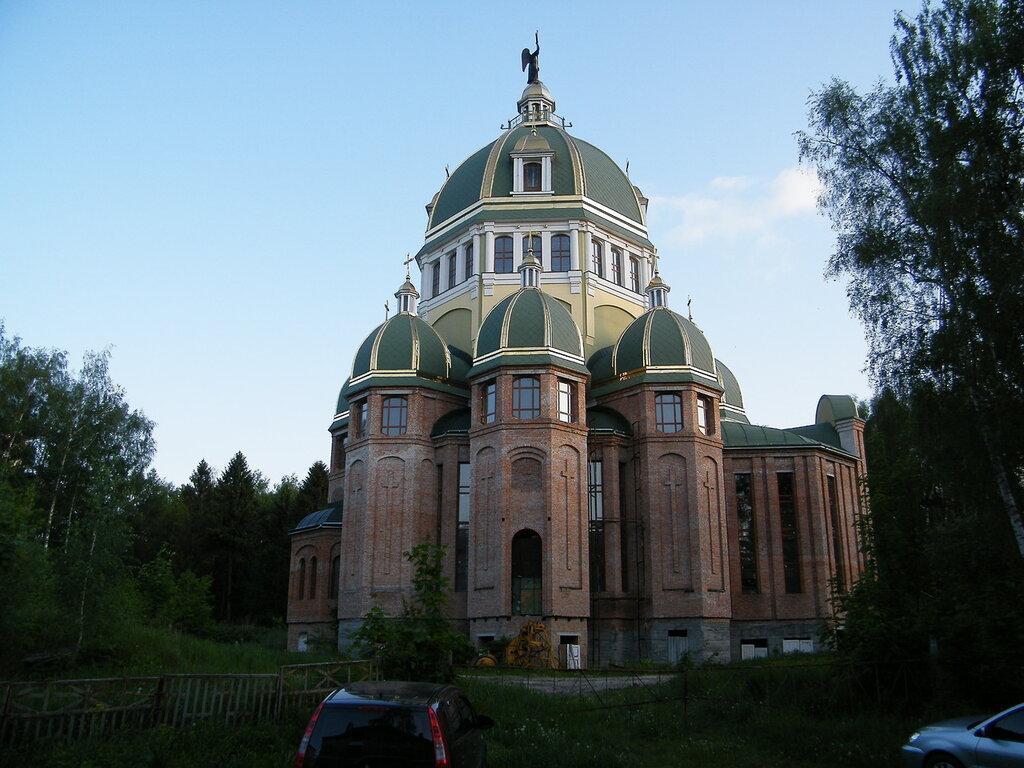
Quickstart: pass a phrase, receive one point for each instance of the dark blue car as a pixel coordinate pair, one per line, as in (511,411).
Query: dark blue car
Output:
(385,724)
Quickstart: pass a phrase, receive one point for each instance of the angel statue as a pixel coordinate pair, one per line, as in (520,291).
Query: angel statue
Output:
(532,60)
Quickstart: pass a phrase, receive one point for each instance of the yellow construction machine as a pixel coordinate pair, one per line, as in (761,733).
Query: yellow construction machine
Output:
(530,648)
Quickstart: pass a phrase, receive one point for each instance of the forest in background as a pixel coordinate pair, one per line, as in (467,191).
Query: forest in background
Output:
(92,540)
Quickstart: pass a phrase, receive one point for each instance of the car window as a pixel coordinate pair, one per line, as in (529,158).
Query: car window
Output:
(1009,728)
(356,736)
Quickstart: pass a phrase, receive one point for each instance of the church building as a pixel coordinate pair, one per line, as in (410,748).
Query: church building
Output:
(536,407)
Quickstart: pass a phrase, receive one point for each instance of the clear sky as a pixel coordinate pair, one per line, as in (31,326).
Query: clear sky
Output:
(223,193)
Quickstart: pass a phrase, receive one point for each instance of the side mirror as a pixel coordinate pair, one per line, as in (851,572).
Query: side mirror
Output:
(483,722)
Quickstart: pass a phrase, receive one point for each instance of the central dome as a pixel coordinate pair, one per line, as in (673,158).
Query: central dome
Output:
(578,169)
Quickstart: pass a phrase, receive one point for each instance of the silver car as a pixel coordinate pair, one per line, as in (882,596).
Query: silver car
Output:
(969,742)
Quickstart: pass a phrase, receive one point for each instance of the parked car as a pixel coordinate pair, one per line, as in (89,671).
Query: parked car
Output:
(384,724)
(969,742)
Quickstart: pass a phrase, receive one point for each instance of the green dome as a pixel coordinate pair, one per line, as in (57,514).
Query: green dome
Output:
(528,328)
(665,345)
(402,351)
(732,398)
(577,169)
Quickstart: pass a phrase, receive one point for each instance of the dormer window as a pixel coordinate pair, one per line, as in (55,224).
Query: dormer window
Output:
(531,161)
(531,177)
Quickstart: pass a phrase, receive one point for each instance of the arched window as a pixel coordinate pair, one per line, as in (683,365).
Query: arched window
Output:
(332,586)
(312,578)
(560,258)
(527,574)
(394,416)
(526,397)
(302,579)
(668,412)
(634,274)
(531,177)
(468,255)
(616,266)
(503,254)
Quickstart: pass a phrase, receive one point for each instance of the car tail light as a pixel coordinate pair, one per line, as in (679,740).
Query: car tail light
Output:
(300,756)
(440,753)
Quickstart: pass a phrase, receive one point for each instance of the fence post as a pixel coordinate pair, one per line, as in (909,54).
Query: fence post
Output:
(157,715)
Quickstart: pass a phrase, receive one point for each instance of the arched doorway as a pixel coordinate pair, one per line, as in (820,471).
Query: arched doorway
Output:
(527,574)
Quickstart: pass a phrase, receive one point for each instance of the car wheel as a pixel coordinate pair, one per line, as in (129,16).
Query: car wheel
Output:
(942,760)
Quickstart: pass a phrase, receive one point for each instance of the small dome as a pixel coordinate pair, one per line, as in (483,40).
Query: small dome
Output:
(732,398)
(528,328)
(402,350)
(663,342)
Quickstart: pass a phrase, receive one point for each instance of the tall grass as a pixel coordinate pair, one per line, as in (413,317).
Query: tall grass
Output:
(752,717)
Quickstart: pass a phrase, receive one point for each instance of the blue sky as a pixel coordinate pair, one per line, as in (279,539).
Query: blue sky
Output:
(223,193)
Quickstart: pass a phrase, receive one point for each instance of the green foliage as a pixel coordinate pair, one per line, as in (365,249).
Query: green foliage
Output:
(420,644)
(178,602)
(924,183)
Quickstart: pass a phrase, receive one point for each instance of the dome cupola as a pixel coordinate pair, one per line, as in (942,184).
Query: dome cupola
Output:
(528,328)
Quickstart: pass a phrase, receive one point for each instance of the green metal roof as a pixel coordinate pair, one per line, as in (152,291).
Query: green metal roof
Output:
(600,364)
(737,435)
(662,341)
(577,168)
(731,394)
(453,422)
(404,343)
(530,323)
(832,408)
(407,351)
(600,418)
(331,516)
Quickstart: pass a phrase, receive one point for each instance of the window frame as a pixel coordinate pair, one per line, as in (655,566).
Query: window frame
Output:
(561,257)
(617,266)
(566,399)
(394,415)
(489,402)
(662,407)
(597,257)
(502,257)
(526,397)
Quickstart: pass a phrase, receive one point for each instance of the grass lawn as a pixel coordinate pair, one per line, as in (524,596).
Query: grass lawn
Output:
(538,729)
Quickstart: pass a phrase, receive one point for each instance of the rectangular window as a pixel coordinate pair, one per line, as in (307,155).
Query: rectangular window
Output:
(462,530)
(668,412)
(634,274)
(452,278)
(488,402)
(364,417)
(394,415)
(616,266)
(790,533)
(797,645)
(566,397)
(503,254)
(745,524)
(705,415)
(531,177)
(526,397)
(837,534)
(597,257)
(596,509)
(560,257)
(468,255)
(435,279)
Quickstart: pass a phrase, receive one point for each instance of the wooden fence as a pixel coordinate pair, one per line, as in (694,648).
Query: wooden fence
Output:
(79,708)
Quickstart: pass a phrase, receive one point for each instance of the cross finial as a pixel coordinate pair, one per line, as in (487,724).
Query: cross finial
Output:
(408,260)
(387,310)
(689,314)
(654,262)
